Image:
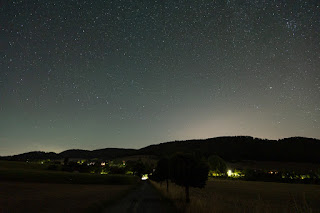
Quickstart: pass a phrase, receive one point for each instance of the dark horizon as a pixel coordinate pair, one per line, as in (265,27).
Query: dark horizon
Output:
(128,148)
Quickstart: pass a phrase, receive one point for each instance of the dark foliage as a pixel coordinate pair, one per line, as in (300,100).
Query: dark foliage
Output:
(97,169)
(33,156)
(188,171)
(75,167)
(162,171)
(139,168)
(217,164)
(107,154)
(117,170)
(296,149)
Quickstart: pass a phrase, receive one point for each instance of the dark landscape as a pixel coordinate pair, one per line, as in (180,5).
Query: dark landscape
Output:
(207,106)
(295,149)
(281,180)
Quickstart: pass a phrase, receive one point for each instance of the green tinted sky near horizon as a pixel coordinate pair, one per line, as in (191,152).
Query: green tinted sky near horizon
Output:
(96,74)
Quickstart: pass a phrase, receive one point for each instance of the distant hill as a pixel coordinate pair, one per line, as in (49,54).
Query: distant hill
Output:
(236,148)
(295,149)
(36,155)
(108,153)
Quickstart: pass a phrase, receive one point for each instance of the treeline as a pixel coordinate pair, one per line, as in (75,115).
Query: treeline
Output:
(137,168)
(311,177)
(105,154)
(237,148)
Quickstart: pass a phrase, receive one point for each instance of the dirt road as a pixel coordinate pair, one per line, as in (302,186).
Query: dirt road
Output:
(144,199)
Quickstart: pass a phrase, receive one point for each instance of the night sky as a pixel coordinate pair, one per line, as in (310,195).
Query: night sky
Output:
(97,74)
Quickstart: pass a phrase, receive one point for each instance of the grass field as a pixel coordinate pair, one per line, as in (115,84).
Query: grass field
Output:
(30,187)
(32,172)
(12,165)
(49,197)
(246,196)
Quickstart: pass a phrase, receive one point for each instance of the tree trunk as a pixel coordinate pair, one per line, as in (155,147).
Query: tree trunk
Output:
(167,185)
(187,194)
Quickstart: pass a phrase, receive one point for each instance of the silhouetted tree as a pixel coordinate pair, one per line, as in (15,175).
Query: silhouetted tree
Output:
(188,171)
(139,168)
(162,172)
(65,161)
(217,164)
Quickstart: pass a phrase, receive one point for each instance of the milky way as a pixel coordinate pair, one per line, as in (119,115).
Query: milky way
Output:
(96,74)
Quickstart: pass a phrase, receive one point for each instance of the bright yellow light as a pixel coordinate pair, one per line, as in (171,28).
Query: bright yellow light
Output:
(229,172)
(145,177)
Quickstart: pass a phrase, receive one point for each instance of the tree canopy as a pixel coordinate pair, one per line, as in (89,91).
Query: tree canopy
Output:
(162,172)
(188,171)
(217,164)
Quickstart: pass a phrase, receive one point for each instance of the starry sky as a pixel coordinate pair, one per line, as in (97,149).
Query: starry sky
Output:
(124,73)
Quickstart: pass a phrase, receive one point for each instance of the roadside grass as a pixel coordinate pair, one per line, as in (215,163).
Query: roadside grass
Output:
(222,196)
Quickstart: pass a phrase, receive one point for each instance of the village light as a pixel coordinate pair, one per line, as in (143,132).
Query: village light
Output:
(144,177)
(229,172)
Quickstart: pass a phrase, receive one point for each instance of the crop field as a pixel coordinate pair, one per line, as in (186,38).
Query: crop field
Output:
(30,187)
(17,165)
(49,197)
(246,196)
